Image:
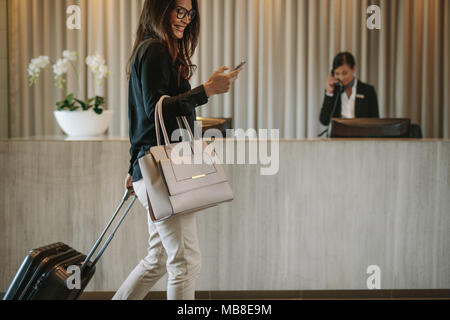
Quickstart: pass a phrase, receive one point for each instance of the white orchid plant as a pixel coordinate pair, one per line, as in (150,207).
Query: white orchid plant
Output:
(97,66)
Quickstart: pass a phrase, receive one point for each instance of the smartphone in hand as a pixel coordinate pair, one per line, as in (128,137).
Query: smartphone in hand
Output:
(240,65)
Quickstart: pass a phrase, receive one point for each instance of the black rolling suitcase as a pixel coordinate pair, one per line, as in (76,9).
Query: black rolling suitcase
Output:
(48,273)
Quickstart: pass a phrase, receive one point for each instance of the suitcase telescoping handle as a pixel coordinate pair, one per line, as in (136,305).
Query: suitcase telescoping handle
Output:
(100,253)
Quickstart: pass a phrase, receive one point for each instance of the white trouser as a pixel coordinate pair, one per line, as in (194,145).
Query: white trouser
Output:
(173,248)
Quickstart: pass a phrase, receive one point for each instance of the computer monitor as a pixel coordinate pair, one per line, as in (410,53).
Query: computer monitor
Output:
(370,128)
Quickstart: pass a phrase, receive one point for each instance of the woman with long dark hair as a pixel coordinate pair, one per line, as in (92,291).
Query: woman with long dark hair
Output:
(356,99)
(160,64)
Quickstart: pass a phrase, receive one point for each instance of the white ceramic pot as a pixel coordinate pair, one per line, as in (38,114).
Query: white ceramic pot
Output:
(84,123)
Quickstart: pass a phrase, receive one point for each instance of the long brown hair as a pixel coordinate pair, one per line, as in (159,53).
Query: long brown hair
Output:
(155,22)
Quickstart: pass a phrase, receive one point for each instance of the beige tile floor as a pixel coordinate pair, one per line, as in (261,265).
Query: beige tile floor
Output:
(295,295)
(443,294)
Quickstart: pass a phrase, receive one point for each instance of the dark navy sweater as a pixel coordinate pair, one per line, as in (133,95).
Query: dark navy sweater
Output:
(151,77)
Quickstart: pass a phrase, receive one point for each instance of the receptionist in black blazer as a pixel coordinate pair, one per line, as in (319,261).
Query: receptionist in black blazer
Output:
(358,100)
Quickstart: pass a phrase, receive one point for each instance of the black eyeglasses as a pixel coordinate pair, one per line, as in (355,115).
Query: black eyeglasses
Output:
(182,12)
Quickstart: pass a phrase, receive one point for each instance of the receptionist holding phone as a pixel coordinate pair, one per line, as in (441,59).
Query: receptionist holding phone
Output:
(355,98)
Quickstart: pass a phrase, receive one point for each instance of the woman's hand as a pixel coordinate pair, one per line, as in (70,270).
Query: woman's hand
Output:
(129,184)
(220,82)
(330,83)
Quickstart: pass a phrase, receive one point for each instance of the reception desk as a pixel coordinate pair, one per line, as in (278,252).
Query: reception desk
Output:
(335,208)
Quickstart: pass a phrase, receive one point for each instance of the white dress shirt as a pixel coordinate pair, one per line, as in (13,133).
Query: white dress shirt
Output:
(348,104)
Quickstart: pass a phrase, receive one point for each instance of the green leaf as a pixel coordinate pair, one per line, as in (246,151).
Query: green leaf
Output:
(98,111)
(60,103)
(83,104)
(69,99)
(89,103)
(99,101)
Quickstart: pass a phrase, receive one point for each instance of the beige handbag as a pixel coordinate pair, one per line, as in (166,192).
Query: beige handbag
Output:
(176,188)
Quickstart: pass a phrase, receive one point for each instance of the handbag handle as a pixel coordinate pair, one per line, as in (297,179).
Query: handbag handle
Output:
(187,126)
(159,121)
(158,124)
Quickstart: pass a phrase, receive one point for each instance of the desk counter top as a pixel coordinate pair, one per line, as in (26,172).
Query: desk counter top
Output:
(333,209)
